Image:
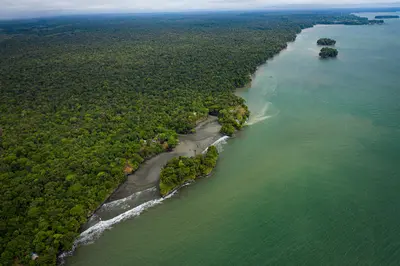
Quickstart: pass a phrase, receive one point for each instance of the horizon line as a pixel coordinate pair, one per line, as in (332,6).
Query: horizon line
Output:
(42,14)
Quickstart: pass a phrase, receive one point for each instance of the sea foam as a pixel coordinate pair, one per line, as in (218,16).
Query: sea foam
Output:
(95,231)
(218,144)
(123,202)
(92,233)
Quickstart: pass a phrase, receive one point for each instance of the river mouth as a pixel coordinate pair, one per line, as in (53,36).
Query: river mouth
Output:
(140,191)
(147,175)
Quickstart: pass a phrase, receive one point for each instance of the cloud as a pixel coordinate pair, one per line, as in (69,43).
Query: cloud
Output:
(44,5)
(35,7)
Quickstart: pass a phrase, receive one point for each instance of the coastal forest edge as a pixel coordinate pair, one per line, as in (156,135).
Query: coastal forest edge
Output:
(86,99)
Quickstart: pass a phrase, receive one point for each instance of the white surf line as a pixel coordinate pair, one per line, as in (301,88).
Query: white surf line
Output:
(92,233)
(116,203)
(218,143)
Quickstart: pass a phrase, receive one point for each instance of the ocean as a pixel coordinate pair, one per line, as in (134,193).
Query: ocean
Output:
(313,180)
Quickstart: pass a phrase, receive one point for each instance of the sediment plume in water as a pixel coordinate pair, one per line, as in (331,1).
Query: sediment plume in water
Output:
(260,115)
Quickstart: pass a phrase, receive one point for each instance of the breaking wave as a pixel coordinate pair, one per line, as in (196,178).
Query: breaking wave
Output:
(218,144)
(124,202)
(92,233)
(95,231)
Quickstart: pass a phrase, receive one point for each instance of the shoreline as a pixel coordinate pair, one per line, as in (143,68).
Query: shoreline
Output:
(146,178)
(147,175)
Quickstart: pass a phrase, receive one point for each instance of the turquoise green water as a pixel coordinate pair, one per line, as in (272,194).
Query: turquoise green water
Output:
(315,180)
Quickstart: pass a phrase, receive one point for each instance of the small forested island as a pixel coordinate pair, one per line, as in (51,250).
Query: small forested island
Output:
(184,169)
(327,52)
(386,16)
(326,41)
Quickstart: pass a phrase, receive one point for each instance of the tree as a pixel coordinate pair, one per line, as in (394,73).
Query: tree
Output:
(179,170)
(326,41)
(227,129)
(327,52)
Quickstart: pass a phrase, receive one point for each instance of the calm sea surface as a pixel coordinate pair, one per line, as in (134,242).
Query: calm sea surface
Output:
(313,180)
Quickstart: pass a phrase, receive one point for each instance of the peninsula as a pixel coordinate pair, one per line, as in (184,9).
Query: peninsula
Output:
(183,169)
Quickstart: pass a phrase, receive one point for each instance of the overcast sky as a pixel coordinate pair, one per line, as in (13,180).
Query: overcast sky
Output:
(10,8)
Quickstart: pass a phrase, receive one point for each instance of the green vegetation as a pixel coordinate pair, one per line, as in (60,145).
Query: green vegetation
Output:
(233,118)
(327,52)
(183,169)
(386,16)
(326,41)
(227,129)
(376,21)
(351,20)
(84,100)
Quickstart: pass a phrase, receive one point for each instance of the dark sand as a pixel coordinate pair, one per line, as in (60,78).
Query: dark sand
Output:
(148,174)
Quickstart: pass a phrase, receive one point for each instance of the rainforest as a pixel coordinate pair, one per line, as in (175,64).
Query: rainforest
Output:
(84,100)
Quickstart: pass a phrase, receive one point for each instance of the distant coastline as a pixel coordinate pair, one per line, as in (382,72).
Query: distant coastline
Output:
(387,16)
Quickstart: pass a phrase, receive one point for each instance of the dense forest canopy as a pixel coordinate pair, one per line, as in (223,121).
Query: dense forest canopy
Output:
(376,21)
(84,100)
(326,41)
(327,52)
